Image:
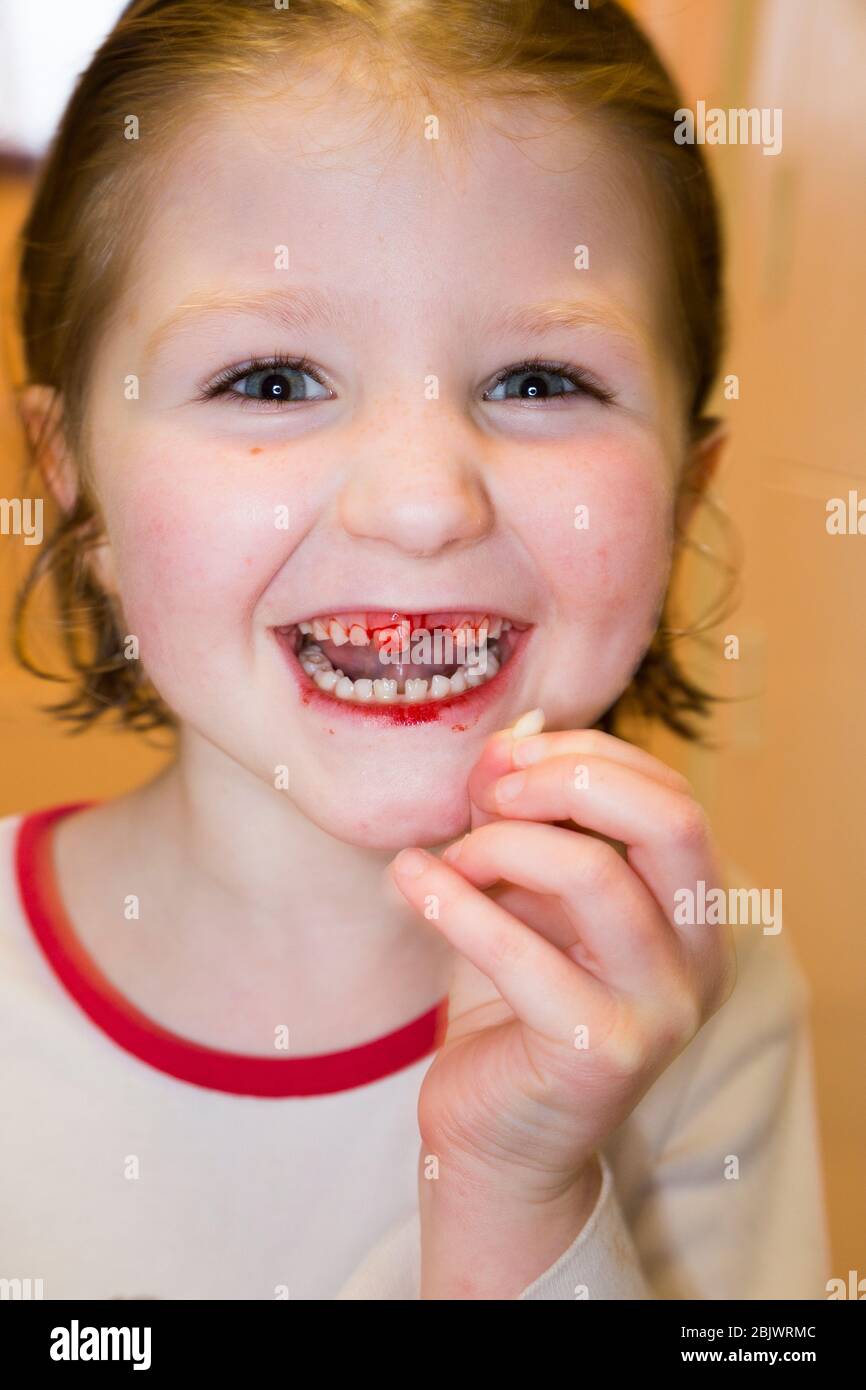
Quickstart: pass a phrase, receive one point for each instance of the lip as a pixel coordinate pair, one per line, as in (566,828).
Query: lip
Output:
(459,712)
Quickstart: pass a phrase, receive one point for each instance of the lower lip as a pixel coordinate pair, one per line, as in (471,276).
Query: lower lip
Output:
(458,712)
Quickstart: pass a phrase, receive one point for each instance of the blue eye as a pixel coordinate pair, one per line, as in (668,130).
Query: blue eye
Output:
(278,381)
(531,381)
(274,381)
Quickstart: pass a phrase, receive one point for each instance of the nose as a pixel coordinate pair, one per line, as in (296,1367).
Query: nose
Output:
(415,483)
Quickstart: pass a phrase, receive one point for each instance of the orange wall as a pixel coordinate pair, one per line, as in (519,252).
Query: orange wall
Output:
(41,764)
(787,793)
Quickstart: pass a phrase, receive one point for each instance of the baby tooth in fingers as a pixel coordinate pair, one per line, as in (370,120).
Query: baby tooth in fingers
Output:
(529,724)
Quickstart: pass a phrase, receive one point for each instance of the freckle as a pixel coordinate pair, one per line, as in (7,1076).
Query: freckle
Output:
(256,449)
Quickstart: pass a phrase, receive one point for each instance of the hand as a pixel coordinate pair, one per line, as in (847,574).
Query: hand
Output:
(576,988)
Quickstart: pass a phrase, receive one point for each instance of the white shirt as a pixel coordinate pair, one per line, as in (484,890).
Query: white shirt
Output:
(118,1179)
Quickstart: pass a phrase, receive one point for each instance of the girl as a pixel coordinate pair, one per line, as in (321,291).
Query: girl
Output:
(367,348)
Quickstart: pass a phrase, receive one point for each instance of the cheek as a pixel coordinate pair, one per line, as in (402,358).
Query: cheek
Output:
(189,559)
(602,533)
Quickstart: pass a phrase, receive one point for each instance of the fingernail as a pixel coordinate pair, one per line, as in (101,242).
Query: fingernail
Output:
(453,851)
(411,863)
(527,752)
(532,722)
(507,788)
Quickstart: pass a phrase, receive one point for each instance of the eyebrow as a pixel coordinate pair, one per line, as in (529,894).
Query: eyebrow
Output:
(536,320)
(287,309)
(298,308)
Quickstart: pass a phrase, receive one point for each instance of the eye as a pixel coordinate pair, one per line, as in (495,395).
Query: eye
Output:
(268,382)
(538,381)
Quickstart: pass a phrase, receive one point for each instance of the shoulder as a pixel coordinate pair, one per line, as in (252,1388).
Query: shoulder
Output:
(771,983)
(767,1012)
(741,1059)
(15,936)
(22,867)
(10,827)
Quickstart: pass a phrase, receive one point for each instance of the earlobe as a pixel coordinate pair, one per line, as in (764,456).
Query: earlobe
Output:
(701,467)
(41,411)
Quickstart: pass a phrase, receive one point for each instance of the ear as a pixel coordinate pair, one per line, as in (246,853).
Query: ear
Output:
(702,464)
(41,412)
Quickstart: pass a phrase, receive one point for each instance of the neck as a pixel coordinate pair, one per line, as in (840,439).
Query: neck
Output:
(250,908)
(257,860)
(256,851)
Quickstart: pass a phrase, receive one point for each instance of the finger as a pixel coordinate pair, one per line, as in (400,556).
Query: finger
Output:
(543,987)
(495,759)
(620,934)
(593,742)
(494,762)
(503,754)
(665,832)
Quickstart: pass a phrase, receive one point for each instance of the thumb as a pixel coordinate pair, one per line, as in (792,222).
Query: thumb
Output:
(495,762)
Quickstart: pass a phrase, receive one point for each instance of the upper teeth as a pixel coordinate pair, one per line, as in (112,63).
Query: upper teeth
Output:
(333,630)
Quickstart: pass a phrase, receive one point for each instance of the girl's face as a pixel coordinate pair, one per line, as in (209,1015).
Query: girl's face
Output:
(413,466)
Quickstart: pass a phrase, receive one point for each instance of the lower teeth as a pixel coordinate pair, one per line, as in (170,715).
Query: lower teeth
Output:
(363,691)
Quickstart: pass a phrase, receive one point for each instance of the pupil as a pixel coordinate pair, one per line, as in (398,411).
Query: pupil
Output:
(275,387)
(533,386)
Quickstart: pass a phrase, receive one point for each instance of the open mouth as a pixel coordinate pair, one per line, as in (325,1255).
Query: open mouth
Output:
(401,659)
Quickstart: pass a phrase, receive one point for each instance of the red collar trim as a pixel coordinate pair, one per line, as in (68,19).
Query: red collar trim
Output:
(189,1061)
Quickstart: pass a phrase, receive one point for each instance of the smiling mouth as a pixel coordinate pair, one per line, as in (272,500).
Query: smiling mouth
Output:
(401,659)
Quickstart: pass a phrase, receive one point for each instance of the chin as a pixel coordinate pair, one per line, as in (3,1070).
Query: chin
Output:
(389,816)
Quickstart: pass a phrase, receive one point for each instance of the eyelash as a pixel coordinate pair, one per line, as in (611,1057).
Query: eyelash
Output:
(220,387)
(586,384)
